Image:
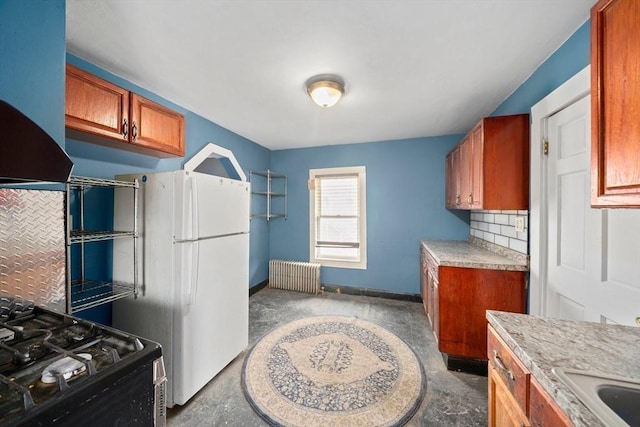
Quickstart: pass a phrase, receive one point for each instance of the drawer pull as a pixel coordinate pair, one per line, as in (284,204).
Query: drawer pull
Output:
(500,365)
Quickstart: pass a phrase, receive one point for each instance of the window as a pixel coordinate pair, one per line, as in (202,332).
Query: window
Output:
(337,224)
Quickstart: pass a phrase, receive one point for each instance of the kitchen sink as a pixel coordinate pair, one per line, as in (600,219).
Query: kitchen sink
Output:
(614,400)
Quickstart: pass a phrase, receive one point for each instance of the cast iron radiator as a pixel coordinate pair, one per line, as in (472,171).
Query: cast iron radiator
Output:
(294,276)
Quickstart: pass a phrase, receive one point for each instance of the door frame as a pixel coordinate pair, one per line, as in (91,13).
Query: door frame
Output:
(569,92)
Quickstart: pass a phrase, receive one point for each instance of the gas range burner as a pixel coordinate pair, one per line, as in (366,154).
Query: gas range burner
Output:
(47,356)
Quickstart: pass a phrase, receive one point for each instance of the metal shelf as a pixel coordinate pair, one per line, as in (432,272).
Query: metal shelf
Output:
(268,193)
(79,236)
(83,294)
(84,181)
(268,174)
(92,293)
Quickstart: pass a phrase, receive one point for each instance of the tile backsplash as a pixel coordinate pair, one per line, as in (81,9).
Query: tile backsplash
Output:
(498,227)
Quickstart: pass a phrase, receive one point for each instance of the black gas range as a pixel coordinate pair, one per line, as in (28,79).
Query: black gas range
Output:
(58,370)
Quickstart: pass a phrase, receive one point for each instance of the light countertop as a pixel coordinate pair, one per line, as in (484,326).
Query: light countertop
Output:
(542,344)
(475,253)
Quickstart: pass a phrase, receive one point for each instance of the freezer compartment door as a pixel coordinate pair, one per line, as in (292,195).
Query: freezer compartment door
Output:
(208,206)
(212,318)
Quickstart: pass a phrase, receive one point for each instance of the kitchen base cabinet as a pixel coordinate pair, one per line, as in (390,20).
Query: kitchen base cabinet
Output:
(503,409)
(464,295)
(515,397)
(456,300)
(543,411)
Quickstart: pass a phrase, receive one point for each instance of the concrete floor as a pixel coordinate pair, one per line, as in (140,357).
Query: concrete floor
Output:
(452,398)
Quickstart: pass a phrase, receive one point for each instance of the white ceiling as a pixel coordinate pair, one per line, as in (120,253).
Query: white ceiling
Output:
(412,68)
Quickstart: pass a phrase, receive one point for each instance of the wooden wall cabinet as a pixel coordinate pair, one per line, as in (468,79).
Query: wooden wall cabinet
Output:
(515,397)
(456,300)
(615,104)
(489,169)
(100,112)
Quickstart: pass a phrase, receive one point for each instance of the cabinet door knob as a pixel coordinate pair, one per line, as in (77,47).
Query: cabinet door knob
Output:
(125,129)
(134,131)
(470,198)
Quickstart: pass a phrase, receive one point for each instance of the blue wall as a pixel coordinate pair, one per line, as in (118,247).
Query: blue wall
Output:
(405,203)
(32,49)
(565,62)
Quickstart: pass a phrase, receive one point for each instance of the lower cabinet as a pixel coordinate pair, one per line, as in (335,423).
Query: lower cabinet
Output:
(515,397)
(456,300)
(504,411)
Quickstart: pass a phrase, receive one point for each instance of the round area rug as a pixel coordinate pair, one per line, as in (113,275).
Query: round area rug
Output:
(333,371)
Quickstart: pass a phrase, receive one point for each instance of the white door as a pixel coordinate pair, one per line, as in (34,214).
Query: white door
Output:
(211,322)
(575,239)
(593,255)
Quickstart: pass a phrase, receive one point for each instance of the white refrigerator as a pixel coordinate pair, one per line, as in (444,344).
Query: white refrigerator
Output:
(193,269)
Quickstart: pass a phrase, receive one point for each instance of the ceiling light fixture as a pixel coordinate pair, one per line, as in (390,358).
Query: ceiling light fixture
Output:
(325,90)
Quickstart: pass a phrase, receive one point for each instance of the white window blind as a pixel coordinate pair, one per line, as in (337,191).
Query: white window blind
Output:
(337,215)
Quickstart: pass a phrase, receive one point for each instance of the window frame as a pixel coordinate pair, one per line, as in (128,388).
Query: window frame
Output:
(360,171)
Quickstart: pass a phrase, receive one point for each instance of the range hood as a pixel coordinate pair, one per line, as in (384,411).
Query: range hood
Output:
(28,153)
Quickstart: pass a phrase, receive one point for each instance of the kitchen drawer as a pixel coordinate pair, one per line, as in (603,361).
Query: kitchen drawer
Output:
(513,374)
(432,265)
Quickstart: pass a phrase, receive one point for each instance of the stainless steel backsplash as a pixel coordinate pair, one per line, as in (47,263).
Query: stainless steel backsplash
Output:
(32,246)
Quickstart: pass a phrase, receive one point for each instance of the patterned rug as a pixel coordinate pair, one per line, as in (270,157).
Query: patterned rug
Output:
(333,371)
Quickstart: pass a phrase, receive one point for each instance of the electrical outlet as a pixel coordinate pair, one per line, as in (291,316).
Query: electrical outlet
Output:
(519,224)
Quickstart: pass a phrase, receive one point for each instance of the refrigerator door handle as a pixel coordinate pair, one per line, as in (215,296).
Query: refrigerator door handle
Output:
(193,285)
(191,254)
(194,208)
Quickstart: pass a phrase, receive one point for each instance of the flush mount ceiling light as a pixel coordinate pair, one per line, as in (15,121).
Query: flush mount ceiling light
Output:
(325,90)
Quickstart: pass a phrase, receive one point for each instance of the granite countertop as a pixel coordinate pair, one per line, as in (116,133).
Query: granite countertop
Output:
(542,344)
(475,253)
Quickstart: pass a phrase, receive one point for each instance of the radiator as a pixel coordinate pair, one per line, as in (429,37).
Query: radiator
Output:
(294,276)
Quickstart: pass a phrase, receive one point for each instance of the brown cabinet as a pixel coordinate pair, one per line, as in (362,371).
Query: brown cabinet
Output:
(432,302)
(95,106)
(515,397)
(489,169)
(451,167)
(456,299)
(100,112)
(615,103)
(542,409)
(424,279)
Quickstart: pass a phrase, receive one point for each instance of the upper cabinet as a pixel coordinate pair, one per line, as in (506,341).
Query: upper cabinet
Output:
(489,168)
(615,103)
(100,112)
